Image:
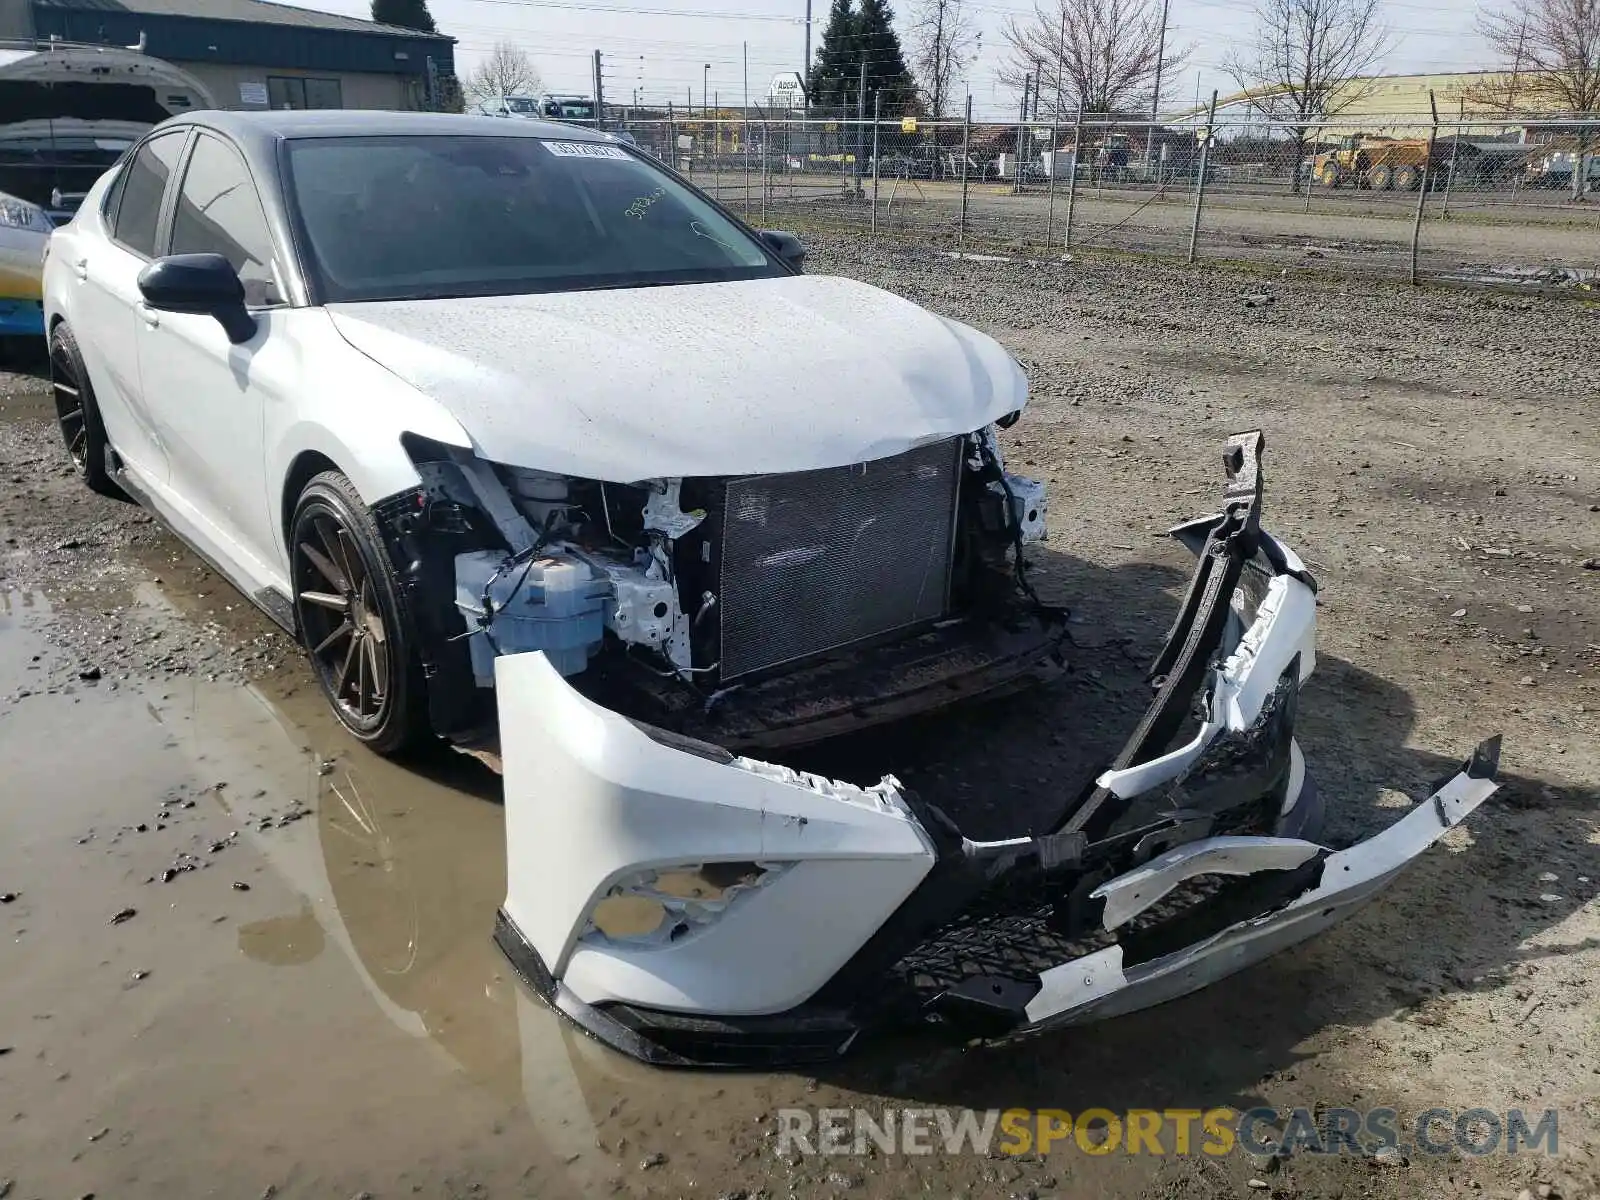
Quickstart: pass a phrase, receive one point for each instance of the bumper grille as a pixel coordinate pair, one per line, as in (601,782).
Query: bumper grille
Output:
(815,560)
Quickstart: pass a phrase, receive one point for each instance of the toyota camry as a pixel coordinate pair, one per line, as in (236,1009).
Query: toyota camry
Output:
(542,452)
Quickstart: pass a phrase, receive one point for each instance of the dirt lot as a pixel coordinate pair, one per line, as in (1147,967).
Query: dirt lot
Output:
(245,958)
(1345,231)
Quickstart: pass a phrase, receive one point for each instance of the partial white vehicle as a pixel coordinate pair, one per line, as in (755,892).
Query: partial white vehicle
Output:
(67,113)
(540,451)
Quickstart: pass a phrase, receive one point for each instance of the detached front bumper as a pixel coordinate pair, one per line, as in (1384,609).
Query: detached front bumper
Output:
(690,907)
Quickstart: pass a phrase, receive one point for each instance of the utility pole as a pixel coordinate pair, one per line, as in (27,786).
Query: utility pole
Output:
(705,92)
(805,67)
(599,94)
(1155,99)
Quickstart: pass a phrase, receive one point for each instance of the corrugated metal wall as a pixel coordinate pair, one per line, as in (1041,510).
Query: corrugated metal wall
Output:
(252,43)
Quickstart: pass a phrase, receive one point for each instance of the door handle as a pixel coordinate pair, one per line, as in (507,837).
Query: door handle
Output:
(81,269)
(150,316)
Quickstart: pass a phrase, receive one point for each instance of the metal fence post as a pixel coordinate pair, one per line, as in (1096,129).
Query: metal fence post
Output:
(1055,144)
(1200,184)
(1050,184)
(1072,183)
(1422,189)
(1455,153)
(966,145)
(877,109)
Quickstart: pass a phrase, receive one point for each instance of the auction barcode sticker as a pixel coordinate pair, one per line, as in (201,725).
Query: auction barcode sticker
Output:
(585,150)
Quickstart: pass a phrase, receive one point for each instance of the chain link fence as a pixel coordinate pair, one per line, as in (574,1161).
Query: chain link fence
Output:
(1513,201)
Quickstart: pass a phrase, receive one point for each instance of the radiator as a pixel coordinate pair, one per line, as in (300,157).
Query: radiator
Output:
(816,560)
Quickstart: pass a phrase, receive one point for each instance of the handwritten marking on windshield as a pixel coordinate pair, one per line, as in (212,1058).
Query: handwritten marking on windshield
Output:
(640,206)
(700,230)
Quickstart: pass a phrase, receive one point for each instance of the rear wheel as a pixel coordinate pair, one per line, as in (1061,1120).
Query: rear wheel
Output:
(77,414)
(351,621)
(1407,178)
(1381,178)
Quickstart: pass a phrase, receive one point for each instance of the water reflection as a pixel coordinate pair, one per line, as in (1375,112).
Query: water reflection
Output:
(401,869)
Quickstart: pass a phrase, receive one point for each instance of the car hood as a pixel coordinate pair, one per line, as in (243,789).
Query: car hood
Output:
(751,377)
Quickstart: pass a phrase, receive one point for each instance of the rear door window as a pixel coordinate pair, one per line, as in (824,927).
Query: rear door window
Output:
(144,182)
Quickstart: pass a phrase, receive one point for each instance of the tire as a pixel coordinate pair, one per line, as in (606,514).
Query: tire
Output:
(1407,178)
(78,414)
(352,621)
(1328,176)
(1381,178)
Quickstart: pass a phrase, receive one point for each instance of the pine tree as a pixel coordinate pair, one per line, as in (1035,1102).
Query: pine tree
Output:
(408,14)
(833,76)
(879,45)
(853,36)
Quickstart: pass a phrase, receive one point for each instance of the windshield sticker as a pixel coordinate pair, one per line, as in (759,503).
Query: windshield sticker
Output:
(584,150)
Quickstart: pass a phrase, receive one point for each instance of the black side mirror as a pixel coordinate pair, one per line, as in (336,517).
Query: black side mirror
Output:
(203,284)
(786,246)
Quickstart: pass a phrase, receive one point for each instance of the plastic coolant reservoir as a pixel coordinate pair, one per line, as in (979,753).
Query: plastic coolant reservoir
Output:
(557,607)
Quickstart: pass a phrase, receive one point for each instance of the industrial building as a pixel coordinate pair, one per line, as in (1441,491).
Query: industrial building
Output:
(256,54)
(1399,105)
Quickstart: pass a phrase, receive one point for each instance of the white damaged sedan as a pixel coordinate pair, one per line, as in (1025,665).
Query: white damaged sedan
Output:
(540,451)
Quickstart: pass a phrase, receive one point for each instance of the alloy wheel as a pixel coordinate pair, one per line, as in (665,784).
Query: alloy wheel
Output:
(70,416)
(337,604)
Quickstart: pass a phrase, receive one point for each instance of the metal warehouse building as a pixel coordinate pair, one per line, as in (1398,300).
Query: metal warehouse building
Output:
(255,54)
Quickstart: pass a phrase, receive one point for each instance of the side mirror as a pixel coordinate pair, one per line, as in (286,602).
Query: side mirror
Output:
(203,284)
(786,246)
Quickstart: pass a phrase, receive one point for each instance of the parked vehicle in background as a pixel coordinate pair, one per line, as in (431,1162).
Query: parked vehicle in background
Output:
(1381,164)
(553,107)
(1555,170)
(67,113)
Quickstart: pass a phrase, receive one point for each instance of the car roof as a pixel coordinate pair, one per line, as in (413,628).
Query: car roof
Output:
(258,132)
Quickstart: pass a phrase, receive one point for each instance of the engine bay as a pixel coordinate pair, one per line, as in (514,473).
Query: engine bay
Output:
(751,610)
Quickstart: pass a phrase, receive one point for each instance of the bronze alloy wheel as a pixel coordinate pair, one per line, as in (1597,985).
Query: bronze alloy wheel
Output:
(347,608)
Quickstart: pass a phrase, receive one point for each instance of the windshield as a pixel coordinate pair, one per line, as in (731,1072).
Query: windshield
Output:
(522,104)
(419,217)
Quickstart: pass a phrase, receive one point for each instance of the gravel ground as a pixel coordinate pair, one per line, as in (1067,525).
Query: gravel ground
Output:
(1433,455)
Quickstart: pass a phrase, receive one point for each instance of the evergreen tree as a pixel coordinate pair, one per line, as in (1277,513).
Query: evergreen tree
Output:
(833,76)
(879,45)
(853,36)
(408,14)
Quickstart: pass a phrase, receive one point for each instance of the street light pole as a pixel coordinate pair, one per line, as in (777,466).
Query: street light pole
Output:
(705,91)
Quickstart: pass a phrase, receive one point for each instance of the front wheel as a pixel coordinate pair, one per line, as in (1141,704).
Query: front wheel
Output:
(351,619)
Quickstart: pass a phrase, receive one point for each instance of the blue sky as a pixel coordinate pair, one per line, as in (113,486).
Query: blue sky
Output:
(662,47)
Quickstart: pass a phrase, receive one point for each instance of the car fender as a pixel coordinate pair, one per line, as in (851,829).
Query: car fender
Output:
(351,411)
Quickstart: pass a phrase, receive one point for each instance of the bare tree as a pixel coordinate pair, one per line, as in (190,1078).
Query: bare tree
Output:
(1309,60)
(1106,53)
(508,71)
(944,41)
(1553,48)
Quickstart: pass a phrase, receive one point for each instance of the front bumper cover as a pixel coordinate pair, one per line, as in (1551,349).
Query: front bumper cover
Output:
(1175,868)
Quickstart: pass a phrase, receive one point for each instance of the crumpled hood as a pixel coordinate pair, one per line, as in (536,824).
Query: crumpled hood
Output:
(707,379)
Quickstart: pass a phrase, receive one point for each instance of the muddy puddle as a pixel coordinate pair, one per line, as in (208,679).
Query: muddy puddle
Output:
(245,953)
